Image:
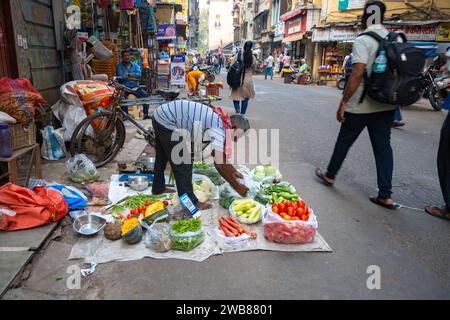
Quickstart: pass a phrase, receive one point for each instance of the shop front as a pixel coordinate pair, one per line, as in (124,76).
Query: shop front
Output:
(334,43)
(295,28)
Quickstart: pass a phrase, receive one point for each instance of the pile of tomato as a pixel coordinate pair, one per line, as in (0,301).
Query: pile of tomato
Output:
(292,210)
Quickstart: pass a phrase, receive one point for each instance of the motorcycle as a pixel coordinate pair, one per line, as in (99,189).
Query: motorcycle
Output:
(434,88)
(294,74)
(340,84)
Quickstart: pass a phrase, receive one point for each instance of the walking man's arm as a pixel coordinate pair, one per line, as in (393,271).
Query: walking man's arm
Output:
(353,83)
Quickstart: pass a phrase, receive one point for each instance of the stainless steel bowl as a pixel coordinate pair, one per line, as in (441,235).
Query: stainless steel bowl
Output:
(147,162)
(138,183)
(88,224)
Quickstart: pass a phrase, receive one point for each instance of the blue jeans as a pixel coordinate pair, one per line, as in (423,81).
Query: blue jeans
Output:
(269,70)
(397,114)
(379,126)
(238,108)
(141,93)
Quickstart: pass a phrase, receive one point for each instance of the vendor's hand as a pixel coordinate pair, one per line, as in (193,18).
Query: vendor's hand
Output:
(237,175)
(241,189)
(203,205)
(340,112)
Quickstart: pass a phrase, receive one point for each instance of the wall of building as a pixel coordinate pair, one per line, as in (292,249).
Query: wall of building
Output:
(331,12)
(37,45)
(221,29)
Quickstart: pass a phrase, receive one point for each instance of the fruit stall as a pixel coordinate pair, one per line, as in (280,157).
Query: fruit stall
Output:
(273,216)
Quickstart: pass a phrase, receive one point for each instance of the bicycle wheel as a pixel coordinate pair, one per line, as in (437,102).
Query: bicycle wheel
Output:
(100,137)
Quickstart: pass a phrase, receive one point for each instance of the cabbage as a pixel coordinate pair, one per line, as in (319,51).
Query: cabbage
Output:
(270,170)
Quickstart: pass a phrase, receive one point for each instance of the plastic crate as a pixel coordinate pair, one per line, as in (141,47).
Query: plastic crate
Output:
(213,91)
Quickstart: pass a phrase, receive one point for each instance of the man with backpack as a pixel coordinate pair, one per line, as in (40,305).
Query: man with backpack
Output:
(369,99)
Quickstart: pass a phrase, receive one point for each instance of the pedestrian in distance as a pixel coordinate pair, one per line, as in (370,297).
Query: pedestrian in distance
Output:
(280,62)
(355,114)
(269,66)
(287,60)
(398,118)
(246,91)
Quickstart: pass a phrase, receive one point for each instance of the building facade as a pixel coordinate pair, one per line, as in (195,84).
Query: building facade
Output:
(221,31)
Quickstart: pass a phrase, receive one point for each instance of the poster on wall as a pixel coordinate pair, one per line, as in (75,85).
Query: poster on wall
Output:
(166,32)
(444,32)
(178,70)
(351,4)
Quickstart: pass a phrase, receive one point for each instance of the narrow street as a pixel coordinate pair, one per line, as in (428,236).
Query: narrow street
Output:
(410,247)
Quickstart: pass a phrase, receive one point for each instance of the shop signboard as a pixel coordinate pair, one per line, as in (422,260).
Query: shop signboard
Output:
(443,34)
(416,33)
(294,25)
(321,35)
(178,70)
(166,32)
(279,31)
(343,34)
(351,4)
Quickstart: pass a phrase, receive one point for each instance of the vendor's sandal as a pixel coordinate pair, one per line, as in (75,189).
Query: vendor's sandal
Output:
(204,205)
(438,212)
(392,206)
(323,178)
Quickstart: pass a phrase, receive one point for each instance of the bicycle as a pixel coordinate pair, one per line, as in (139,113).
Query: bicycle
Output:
(101,135)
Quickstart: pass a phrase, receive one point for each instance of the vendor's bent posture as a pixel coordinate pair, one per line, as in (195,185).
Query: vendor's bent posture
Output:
(194,78)
(217,131)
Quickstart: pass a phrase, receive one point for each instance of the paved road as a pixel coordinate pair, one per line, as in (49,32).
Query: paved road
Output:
(410,247)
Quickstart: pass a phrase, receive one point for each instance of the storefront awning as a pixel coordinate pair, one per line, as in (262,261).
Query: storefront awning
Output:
(291,14)
(293,37)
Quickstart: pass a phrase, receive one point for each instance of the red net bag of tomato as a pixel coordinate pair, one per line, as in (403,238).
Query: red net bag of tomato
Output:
(277,229)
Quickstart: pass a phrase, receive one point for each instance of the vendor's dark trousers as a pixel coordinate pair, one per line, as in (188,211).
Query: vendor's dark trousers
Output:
(379,127)
(443,161)
(141,94)
(182,172)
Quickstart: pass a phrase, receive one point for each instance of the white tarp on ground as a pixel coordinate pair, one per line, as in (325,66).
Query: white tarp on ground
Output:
(101,250)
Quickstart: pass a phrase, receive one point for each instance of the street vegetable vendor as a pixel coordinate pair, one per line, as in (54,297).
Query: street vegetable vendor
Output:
(206,127)
(195,77)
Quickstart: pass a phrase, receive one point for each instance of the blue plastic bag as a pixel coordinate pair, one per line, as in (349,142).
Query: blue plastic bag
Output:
(74,198)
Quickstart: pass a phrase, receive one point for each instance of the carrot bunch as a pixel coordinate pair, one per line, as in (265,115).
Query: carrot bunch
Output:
(232,228)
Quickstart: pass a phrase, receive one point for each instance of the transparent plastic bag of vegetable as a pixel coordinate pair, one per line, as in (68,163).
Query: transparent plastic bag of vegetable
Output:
(243,169)
(247,220)
(158,237)
(81,169)
(186,241)
(204,189)
(268,174)
(212,173)
(253,186)
(227,195)
(278,230)
(232,242)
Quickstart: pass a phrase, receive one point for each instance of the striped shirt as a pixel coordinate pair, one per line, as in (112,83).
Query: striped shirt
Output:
(189,115)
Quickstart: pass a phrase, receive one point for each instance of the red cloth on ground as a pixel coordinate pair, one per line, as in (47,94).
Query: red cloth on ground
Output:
(32,208)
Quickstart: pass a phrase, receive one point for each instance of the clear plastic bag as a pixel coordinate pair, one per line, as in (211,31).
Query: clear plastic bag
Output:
(81,169)
(232,242)
(266,178)
(186,241)
(247,220)
(158,237)
(211,173)
(204,189)
(227,195)
(278,230)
